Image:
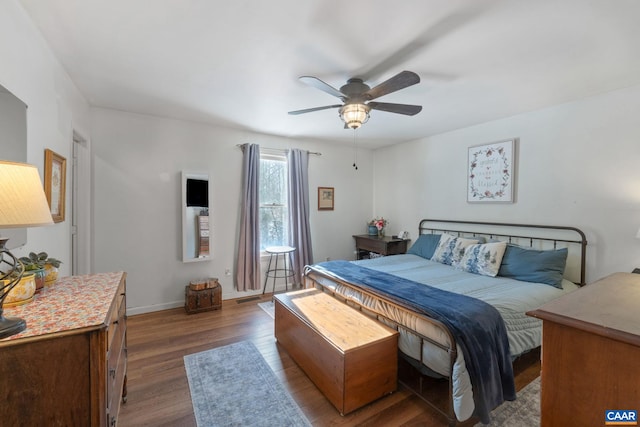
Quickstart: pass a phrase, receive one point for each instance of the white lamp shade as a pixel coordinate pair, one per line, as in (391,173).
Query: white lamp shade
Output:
(638,234)
(22,199)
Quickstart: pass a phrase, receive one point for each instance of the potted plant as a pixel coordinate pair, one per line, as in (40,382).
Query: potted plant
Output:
(23,291)
(42,265)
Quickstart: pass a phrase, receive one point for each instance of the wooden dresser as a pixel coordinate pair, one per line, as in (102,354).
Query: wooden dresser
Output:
(69,367)
(591,352)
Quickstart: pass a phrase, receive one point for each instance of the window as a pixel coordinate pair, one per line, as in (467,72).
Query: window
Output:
(274,209)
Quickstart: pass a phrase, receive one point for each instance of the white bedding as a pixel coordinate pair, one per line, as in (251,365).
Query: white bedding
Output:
(512,299)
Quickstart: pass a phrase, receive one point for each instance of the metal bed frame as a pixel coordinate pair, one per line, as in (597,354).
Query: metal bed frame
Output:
(540,236)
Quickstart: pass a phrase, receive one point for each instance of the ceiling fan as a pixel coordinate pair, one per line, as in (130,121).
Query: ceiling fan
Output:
(357,98)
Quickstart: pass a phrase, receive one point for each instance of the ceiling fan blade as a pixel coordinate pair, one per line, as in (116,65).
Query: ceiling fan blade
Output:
(309,110)
(319,84)
(397,82)
(406,109)
(438,30)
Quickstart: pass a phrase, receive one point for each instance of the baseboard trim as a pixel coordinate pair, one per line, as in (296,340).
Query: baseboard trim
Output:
(239,299)
(132,311)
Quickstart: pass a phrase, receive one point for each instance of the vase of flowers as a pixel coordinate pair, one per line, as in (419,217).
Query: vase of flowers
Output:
(379,224)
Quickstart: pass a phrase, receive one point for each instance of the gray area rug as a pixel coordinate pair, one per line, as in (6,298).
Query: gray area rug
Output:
(234,386)
(522,412)
(269,308)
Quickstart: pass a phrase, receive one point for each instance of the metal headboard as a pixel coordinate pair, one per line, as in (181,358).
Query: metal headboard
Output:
(532,235)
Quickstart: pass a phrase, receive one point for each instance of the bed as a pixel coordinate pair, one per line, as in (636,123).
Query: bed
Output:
(468,278)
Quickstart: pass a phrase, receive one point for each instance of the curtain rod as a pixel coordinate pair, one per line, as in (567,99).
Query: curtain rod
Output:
(283,149)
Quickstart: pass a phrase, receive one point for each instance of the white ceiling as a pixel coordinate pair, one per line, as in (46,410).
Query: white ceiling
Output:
(236,63)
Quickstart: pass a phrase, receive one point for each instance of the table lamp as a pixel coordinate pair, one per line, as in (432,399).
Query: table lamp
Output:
(22,204)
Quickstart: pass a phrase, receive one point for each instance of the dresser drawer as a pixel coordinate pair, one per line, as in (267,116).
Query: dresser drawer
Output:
(118,312)
(117,368)
(116,356)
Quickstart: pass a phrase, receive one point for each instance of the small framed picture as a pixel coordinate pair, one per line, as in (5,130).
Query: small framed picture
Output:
(55,173)
(325,198)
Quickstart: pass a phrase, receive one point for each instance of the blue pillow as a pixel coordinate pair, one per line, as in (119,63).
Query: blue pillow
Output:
(425,246)
(531,265)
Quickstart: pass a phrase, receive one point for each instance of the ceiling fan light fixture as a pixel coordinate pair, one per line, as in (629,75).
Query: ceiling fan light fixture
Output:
(354,115)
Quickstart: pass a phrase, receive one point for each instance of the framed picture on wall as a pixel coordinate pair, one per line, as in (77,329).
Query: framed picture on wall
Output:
(55,173)
(325,198)
(490,172)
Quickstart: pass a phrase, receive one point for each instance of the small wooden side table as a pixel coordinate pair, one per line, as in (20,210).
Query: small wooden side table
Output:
(380,245)
(197,300)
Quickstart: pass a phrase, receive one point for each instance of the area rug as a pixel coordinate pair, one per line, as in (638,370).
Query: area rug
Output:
(268,307)
(234,386)
(522,412)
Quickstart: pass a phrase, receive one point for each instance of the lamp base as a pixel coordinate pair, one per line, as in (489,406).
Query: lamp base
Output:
(11,325)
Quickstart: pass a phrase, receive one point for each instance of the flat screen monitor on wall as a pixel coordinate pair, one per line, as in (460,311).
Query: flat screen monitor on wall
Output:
(197,192)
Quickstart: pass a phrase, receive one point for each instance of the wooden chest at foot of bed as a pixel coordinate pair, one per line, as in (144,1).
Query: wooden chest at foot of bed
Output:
(196,301)
(351,358)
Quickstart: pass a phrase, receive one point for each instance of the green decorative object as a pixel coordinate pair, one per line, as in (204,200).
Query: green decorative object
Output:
(45,268)
(37,261)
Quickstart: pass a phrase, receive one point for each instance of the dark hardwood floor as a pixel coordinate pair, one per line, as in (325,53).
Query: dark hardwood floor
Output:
(158,392)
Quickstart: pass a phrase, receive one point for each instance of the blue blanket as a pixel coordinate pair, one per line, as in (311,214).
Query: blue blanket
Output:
(477,327)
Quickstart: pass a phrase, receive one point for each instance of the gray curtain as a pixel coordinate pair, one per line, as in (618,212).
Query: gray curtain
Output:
(248,269)
(299,230)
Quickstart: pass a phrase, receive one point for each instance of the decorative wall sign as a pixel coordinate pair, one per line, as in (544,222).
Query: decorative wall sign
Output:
(55,175)
(490,172)
(325,198)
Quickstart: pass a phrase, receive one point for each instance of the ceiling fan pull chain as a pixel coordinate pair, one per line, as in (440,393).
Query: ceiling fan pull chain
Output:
(355,149)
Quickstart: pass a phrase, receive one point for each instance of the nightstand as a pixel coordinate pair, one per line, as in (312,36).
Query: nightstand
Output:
(380,245)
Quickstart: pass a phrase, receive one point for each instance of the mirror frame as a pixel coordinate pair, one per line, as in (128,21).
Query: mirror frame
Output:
(189,225)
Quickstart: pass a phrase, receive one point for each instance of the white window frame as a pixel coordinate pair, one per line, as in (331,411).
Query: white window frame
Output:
(275,155)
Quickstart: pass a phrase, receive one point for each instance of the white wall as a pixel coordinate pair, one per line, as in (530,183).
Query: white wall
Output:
(137,208)
(578,165)
(55,107)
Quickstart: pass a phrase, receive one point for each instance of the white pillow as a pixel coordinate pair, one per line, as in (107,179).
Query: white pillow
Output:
(483,259)
(451,249)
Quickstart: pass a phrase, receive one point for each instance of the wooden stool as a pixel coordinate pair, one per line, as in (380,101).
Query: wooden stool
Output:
(279,273)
